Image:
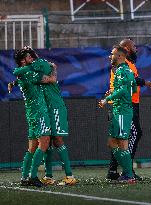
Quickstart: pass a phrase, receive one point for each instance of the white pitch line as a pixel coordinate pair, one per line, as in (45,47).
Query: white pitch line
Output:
(78,196)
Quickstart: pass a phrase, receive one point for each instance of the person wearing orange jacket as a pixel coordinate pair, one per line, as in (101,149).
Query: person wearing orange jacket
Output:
(136,131)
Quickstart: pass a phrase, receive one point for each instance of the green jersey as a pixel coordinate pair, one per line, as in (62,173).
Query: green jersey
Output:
(54,101)
(51,91)
(124,87)
(36,107)
(28,83)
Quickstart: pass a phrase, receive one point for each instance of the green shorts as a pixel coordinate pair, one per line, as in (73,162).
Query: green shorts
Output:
(39,126)
(59,122)
(120,126)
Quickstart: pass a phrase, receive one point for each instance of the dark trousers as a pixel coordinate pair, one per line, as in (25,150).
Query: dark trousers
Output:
(134,137)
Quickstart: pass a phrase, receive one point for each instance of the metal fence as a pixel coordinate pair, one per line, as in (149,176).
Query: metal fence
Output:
(19,30)
(86,23)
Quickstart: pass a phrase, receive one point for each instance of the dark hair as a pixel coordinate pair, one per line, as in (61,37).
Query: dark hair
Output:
(121,49)
(33,54)
(21,54)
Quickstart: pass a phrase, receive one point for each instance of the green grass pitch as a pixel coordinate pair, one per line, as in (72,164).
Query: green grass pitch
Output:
(91,183)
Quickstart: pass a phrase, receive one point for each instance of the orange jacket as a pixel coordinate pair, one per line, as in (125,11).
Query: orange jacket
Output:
(135,96)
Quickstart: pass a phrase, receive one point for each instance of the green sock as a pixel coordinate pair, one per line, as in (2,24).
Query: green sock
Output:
(117,154)
(63,153)
(126,163)
(48,162)
(124,159)
(27,164)
(36,161)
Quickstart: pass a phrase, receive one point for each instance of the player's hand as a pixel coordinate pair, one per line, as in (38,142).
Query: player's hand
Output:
(148,83)
(102,103)
(10,87)
(45,79)
(53,65)
(107,93)
(48,79)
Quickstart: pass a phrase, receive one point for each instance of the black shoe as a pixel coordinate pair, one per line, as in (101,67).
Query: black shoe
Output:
(24,182)
(35,182)
(138,178)
(112,175)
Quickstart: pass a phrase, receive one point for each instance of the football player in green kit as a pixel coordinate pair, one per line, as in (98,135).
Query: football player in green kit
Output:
(119,130)
(38,122)
(57,113)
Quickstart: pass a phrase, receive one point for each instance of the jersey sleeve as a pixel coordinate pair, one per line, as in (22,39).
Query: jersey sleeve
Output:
(27,75)
(21,70)
(40,65)
(116,94)
(121,87)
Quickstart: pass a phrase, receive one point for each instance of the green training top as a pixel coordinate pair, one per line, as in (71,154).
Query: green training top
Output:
(124,87)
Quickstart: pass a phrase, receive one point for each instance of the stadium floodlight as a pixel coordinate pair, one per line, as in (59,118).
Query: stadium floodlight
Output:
(76,6)
(144,14)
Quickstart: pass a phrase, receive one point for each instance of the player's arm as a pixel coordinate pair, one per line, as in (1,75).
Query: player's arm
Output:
(52,78)
(122,82)
(102,103)
(139,81)
(148,84)
(48,79)
(38,66)
(54,69)
(115,94)
(142,82)
(28,75)
(121,87)
(35,77)
(20,71)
